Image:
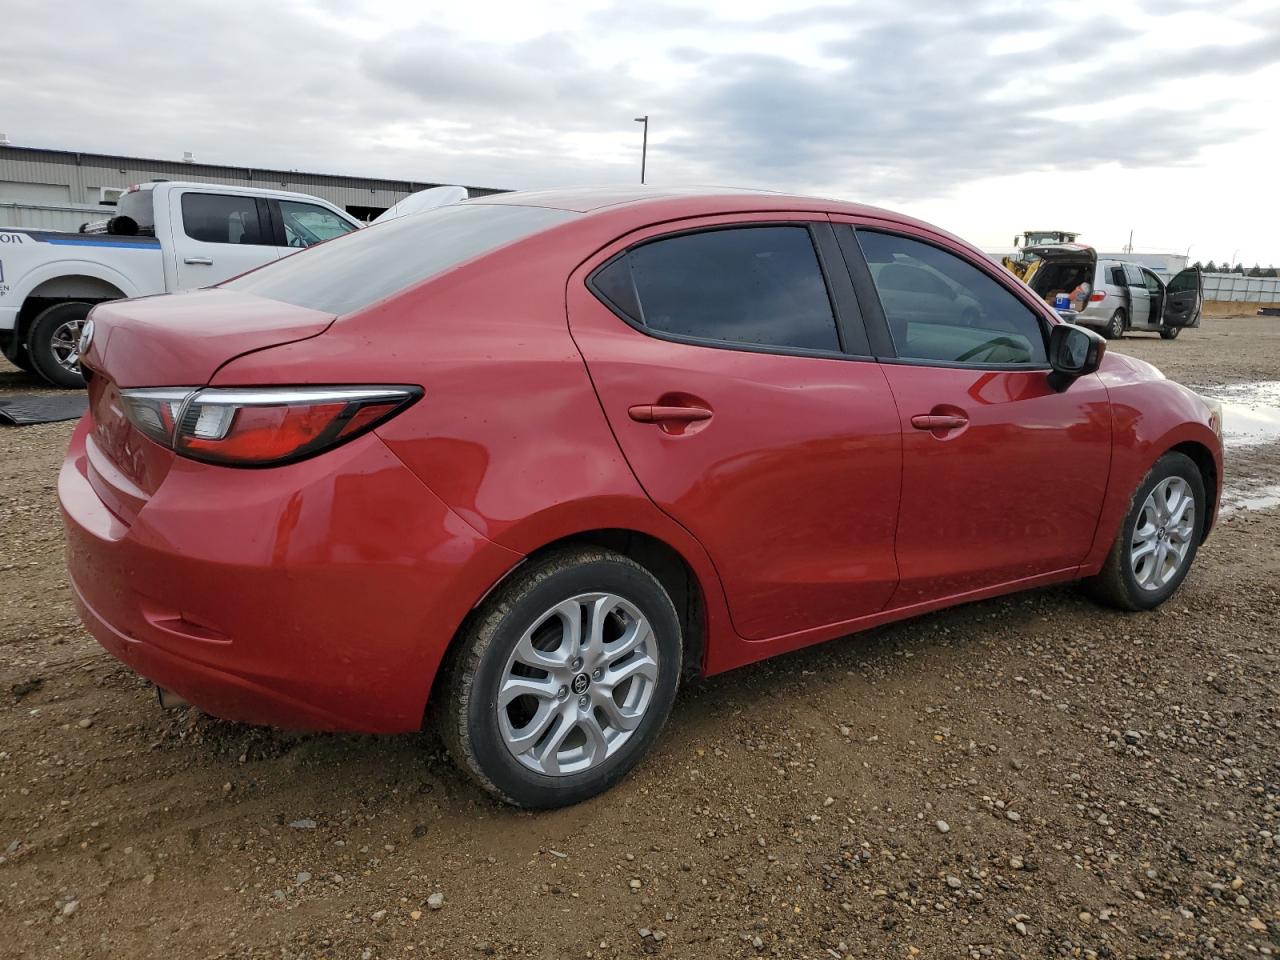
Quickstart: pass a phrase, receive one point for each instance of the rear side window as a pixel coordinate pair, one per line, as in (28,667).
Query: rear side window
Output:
(749,285)
(218,218)
(376,262)
(1117,276)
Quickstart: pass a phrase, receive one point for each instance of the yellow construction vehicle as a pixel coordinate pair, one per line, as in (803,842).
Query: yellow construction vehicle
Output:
(1022,264)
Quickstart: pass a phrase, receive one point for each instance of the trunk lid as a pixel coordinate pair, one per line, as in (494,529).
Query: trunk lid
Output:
(182,339)
(179,340)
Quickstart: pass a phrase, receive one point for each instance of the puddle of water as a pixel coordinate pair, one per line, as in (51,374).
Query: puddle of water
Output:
(1259,497)
(1250,412)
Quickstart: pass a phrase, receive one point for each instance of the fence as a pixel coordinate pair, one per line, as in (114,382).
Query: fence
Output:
(1237,288)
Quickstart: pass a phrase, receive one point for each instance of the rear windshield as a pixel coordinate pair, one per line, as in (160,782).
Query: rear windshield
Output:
(138,206)
(351,272)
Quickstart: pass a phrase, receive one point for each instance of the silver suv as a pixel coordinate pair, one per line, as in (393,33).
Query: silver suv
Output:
(1114,296)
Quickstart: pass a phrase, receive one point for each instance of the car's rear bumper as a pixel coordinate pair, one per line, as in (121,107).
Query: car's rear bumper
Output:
(320,595)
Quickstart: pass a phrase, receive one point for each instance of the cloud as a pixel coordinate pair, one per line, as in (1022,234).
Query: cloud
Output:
(877,101)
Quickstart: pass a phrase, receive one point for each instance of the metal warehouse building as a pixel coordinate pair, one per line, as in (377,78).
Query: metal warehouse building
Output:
(61,189)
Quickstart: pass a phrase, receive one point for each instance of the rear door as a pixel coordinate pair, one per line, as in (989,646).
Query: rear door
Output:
(217,236)
(731,362)
(1184,296)
(1002,477)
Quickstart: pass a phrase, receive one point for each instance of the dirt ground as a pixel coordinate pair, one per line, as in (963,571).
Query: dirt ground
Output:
(1026,777)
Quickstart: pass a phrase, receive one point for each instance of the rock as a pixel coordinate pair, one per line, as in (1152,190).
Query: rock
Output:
(943,826)
(378,915)
(757,943)
(305,824)
(436,900)
(303,877)
(86,723)
(1085,916)
(1016,863)
(659,936)
(415,914)
(70,907)
(955,883)
(645,933)
(1013,815)
(634,883)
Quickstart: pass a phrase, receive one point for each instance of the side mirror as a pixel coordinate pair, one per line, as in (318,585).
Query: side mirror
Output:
(1074,352)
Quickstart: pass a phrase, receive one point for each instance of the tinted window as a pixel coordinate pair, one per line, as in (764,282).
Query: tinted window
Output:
(214,218)
(1117,276)
(306,224)
(757,285)
(373,263)
(138,205)
(940,307)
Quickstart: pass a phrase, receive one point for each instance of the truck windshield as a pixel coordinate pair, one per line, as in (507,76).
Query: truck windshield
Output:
(138,206)
(351,272)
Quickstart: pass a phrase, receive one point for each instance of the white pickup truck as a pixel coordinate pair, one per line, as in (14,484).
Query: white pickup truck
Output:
(165,237)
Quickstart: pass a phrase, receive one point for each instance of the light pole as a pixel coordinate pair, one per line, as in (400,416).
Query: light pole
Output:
(644,146)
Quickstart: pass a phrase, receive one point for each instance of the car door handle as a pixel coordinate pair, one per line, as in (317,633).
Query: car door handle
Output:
(199,261)
(935,421)
(654,413)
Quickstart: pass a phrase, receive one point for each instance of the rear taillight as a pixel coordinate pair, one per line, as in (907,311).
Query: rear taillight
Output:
(1097,296)
(260,426)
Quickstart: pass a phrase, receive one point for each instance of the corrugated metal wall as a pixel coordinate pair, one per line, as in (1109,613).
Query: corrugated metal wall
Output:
(1236,288)
(86,175)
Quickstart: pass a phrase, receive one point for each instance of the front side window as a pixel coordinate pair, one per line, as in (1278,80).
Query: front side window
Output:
(218,218)
(750,285)
(940,307)
(306,224)
(1149,278)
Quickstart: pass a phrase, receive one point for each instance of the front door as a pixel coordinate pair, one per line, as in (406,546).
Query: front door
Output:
(1139,299)
(1183,298)
(217,236)
(725,364)
(1003,478)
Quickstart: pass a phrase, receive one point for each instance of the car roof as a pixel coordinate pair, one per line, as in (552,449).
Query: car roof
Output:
(695,199)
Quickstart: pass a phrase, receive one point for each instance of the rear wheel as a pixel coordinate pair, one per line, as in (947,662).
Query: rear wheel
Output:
(52,341)
(564,679)
(1116,325)
(1158,539)
(1170,333)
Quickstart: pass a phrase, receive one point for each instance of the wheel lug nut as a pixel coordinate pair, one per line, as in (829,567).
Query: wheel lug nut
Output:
(597,674)
(583,701)
(577,663)
(562,693)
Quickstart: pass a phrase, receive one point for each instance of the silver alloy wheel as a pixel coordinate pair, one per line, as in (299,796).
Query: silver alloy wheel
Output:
(64,344)
(577,684)
(1162,536)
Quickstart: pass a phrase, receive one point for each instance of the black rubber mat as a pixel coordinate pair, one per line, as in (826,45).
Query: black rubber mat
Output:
(42,408)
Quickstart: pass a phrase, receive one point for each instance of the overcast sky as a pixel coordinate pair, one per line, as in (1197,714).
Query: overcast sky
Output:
(1160,116)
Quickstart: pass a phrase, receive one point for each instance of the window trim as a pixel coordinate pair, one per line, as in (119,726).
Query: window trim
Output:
(849,325)
(878,324)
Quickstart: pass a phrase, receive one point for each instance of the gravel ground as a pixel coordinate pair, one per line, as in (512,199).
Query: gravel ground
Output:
(1032,776)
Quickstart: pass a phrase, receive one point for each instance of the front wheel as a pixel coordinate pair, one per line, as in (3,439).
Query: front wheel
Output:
(564,678)
(1170,333)
(1158,539)
(52,343)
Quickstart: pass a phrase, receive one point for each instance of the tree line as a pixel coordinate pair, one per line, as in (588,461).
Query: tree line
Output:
(1254,271)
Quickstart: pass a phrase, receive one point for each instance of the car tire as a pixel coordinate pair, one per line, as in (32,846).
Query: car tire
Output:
(1116,325)
(1170,333)
(1144,567)
(52,332)
(562,743)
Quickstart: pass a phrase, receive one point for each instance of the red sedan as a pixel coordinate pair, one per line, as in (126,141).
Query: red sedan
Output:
(536,456)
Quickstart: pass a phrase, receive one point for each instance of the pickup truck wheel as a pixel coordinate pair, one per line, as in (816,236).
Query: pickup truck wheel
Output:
(51,344)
